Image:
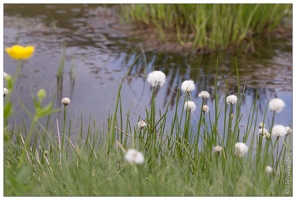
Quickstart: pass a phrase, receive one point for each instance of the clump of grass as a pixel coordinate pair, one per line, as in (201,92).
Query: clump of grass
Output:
(209,26)
(180,156)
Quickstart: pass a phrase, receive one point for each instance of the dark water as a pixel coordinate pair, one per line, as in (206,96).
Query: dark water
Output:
(99,51)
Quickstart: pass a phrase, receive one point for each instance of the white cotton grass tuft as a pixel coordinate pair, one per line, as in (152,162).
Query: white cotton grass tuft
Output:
(289,130)
(262,131)
(134,156)
(268,169)
(66,101)
(231,99)
(5,91)
(4,75)
(204,95)
(205,108)
(266,136)
(188,86)
(218,148)
(190,106)
(241,149)
(276,105)
(261,125)
(278,130)
(156,78)
(142,124)
(45,153)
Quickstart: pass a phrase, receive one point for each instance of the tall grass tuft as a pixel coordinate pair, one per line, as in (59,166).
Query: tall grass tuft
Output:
(209,26)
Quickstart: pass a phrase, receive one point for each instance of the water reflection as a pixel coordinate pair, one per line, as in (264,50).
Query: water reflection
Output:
(99,52)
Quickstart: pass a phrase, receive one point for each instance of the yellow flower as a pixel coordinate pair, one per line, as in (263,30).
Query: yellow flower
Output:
(19,52)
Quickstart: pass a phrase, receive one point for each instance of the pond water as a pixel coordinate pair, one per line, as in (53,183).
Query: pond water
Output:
(99,50)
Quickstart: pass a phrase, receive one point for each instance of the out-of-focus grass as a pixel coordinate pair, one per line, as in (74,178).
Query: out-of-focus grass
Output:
(209,26)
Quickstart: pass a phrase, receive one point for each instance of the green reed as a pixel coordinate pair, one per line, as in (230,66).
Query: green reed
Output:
(209,26)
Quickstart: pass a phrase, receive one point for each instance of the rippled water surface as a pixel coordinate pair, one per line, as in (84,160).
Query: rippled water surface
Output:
(99,50)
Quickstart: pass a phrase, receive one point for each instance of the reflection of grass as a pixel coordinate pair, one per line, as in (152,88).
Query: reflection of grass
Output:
(179,157)
(209,26)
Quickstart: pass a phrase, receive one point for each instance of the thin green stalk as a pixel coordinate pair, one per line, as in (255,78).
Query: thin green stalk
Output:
(187,126)
(200,120)
(229,126)
(112,131)
(64,126)
(27,143)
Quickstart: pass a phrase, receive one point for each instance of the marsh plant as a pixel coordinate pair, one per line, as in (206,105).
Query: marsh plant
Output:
(202,27)
(185,156)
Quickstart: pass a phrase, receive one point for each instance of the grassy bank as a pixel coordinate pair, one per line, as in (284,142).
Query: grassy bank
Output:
(185,156)
(209,26)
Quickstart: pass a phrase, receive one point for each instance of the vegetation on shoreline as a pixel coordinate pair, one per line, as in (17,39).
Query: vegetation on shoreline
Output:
(208,27)
(187,156)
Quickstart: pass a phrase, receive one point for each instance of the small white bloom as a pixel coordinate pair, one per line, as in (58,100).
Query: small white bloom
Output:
(278,130)
(156,78)
(190,106)
(217,148)
(241,149)
(45,153)
(261,125)
(204,95)
(141,124)
(66,101)
(5,91)
(266,136)
(134,156)
(276,105)
(4,75)
(268,169)
(187,86)
(205,108)
(262,132)
(289,130)
(231,99)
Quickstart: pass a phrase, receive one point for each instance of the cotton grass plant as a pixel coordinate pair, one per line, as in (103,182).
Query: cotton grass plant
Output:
(184,156)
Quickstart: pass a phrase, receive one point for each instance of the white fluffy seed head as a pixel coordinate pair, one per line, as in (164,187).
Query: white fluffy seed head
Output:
(190,106)
(205,108)
(187,86)
(231,99)
(204,95)
(279,131)
(45,153)
(66,101)
(4,75)
(289,130)
(266,136)
(134,156)
(156,78)
(276,105)
(262,131)
(261,125)
(241,149)
(141,124)
(5,91)
(268,169)
(218,148)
